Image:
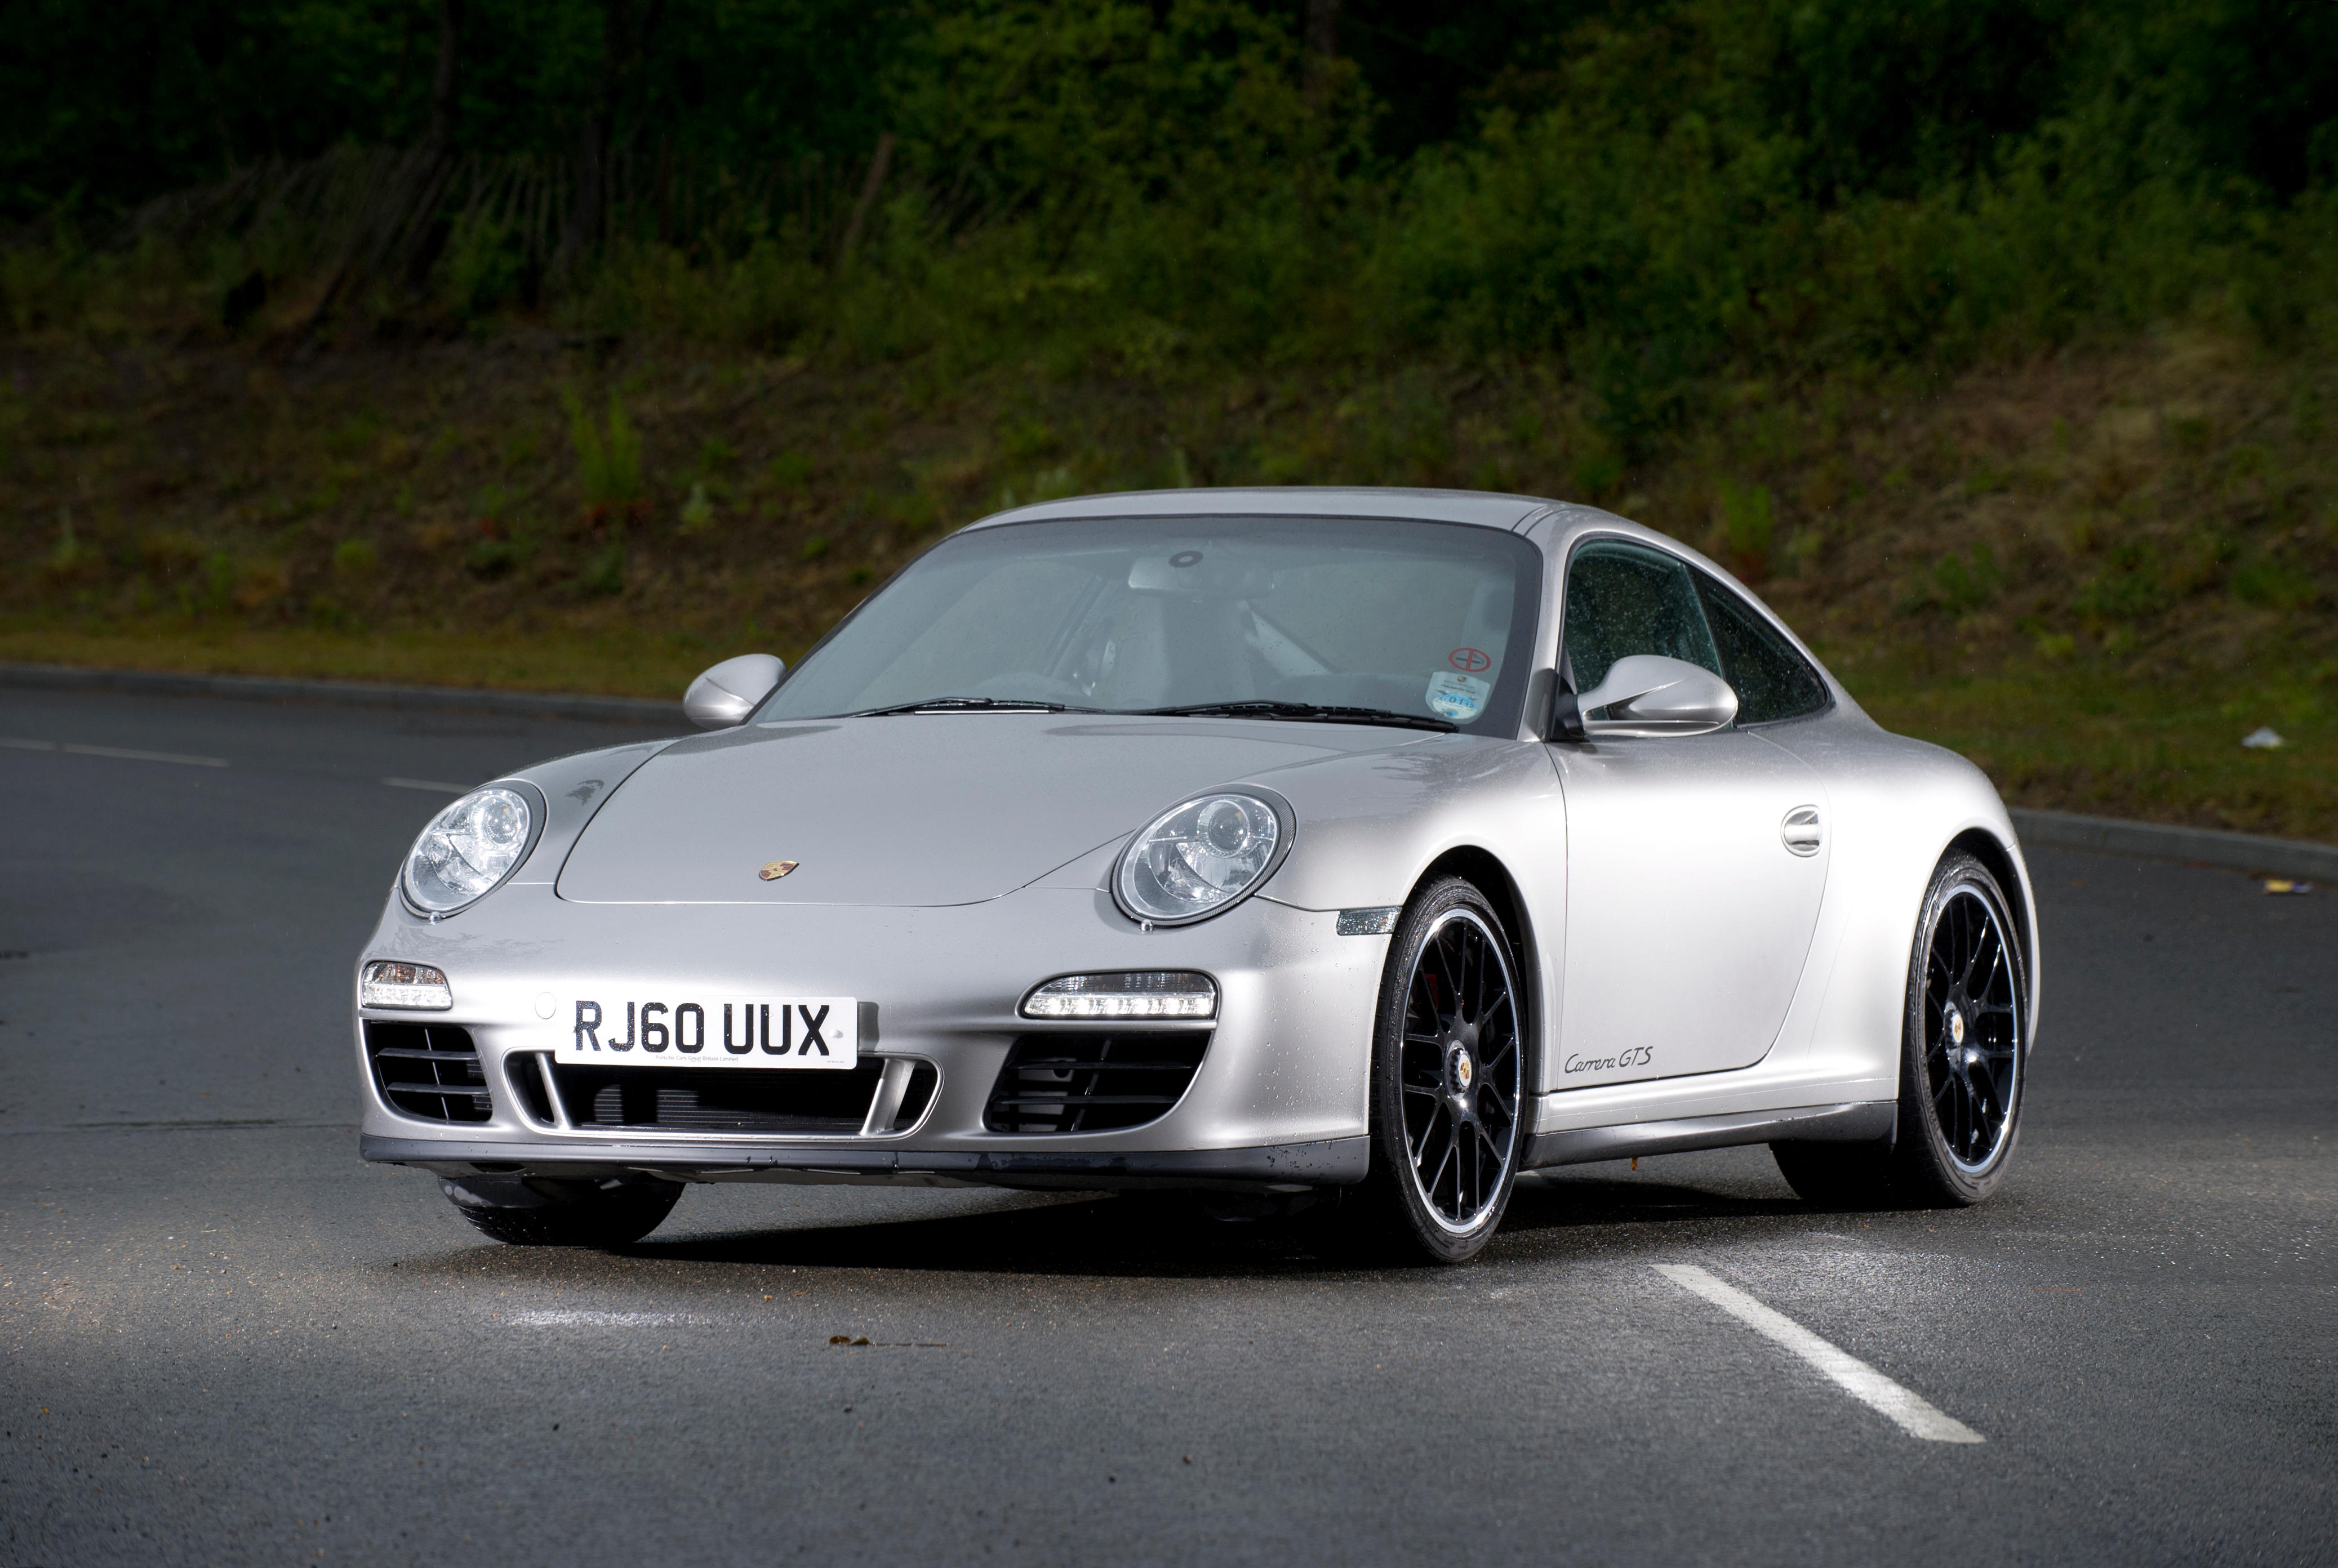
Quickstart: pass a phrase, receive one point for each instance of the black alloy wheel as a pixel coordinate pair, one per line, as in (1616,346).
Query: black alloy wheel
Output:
(1450,1076)
(1962,1053)
(1970,1019)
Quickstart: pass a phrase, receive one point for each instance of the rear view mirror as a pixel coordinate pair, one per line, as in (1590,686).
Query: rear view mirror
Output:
(1649,694)
(725,695)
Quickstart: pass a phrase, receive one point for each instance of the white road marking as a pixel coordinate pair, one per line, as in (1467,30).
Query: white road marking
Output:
(125,753)
(1856,1377)
(569,1318)
(430,784)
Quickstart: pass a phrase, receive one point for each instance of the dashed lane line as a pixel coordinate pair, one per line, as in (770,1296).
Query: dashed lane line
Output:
(1863,1383)
(122,752)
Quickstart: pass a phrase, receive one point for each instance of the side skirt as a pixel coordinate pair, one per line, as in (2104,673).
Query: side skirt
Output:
(1860,1122)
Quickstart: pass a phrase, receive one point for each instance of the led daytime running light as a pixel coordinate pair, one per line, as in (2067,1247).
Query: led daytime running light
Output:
(1143,994)
(385,983)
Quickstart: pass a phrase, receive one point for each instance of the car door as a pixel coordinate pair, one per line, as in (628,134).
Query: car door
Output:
(1695,863)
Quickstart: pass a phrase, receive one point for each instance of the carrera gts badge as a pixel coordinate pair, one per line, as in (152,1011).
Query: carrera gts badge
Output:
(776,869)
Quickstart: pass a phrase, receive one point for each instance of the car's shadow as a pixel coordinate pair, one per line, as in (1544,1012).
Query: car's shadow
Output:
(1132,1236)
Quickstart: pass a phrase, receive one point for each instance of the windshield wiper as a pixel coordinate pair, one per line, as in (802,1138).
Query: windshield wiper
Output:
(1261,709)
(948,704)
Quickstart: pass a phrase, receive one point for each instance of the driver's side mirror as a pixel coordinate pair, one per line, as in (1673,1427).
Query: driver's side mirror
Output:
(1647,694)
(725,695)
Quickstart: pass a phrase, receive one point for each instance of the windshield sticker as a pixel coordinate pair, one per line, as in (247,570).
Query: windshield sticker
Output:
(1460,698)
(1470,660)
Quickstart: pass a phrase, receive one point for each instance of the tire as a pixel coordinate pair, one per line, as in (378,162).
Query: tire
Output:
(1963,1061)
(1450,1081)
(536,1211)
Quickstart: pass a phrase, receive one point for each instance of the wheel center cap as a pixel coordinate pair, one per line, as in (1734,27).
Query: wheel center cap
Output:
(1956,1025)
(1459,1068)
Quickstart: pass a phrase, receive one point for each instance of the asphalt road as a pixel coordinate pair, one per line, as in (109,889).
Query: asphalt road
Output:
(224,1340)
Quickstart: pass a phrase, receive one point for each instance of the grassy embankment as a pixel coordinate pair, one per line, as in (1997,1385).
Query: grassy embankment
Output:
(2092,572)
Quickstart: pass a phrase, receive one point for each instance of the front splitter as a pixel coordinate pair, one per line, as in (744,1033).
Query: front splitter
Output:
(1277,1167)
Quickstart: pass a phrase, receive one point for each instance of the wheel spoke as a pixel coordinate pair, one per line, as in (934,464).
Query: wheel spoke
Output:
(1981,949)
(1445,966)
(1445,1159)
(1492,1148)
(1420,1146)
(1985,1070)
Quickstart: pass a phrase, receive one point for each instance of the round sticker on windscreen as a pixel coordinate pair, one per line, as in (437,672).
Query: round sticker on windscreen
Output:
(1458,697)
(1470,660)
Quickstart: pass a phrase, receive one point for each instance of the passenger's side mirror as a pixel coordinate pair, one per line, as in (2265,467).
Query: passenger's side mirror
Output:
(725,695)
(1649,694)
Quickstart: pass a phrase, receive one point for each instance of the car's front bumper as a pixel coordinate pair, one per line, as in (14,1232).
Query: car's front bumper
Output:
(1279,1100)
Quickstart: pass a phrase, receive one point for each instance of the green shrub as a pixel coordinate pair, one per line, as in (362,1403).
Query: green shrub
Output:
(604,574)
(1749,528)
(2273,584)
(483,266)
(1967,582)
(608,457)
(2135,585)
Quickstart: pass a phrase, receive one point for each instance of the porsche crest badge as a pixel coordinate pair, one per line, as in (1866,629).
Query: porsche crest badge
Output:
(773,870)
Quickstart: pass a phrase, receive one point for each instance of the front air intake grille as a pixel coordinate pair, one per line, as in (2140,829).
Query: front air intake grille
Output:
(1075,1082)
(803,1101)
(429,1070)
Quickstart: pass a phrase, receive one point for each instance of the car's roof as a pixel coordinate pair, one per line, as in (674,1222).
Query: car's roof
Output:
(1484,508)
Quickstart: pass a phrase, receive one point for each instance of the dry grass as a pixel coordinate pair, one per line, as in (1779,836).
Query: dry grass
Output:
(2093,572)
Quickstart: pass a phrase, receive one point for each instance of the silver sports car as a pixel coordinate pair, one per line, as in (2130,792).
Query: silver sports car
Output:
(1282,844)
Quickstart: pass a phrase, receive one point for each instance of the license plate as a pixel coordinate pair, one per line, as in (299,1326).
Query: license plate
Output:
(812,1031)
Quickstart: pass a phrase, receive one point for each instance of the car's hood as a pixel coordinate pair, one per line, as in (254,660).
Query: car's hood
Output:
(913,809)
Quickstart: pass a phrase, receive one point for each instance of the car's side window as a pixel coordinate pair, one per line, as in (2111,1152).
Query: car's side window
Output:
(1623,599)
(1772,681)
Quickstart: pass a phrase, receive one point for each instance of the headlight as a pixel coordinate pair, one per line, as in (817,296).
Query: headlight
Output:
(1197,858)
(467,848)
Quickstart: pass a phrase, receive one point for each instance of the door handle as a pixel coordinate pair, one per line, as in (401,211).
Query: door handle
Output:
(1800,832)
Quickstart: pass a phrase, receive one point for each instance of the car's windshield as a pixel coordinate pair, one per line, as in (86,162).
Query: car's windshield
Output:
(1428,621)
